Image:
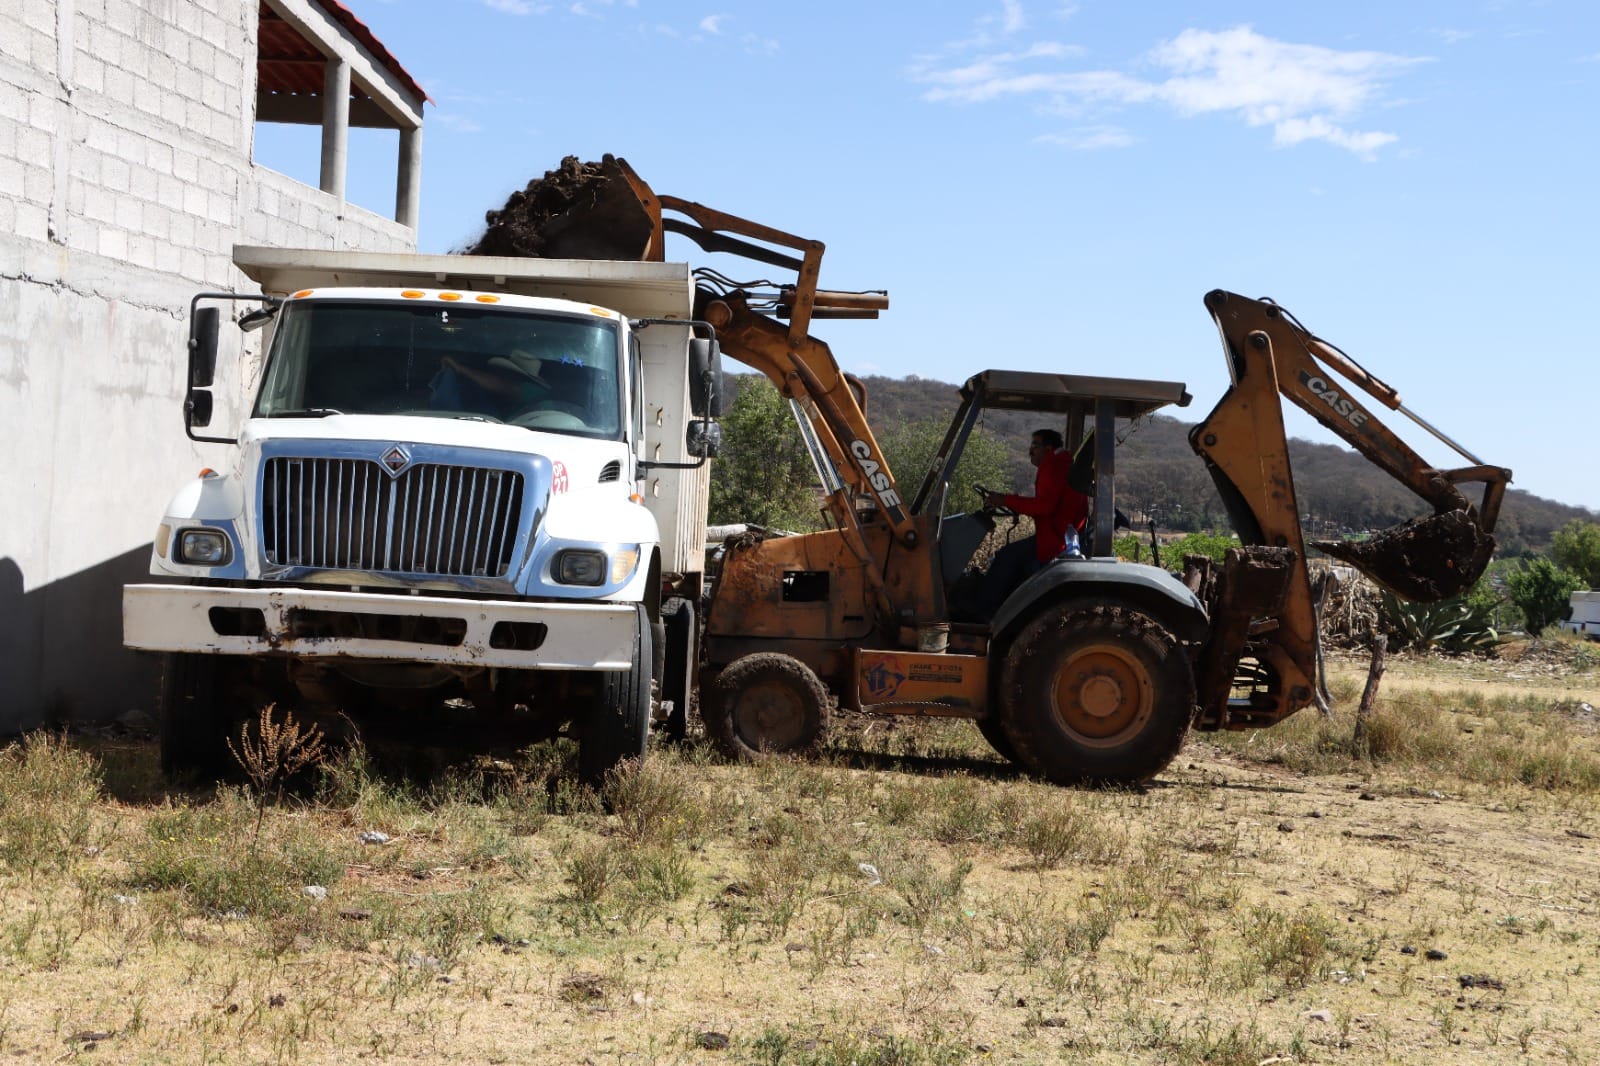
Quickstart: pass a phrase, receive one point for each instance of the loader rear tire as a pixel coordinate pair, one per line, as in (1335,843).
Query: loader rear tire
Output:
(765,704)
(618,725)
(1096,695)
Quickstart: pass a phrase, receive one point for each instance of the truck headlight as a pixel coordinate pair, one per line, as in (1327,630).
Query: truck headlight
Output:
(203,547)
(578,567)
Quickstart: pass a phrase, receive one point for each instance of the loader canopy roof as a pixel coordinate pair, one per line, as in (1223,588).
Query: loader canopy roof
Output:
(1022,390)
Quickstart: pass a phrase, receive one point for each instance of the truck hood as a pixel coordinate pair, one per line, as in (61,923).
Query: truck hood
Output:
(577,461)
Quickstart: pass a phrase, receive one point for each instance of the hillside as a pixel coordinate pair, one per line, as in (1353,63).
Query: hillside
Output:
(1159,474)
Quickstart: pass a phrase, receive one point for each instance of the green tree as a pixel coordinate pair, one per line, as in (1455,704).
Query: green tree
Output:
(910,447)
(1576,547)
(763,475)
(1542,591)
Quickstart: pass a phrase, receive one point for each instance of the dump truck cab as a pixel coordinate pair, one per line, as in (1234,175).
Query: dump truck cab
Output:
(468,492)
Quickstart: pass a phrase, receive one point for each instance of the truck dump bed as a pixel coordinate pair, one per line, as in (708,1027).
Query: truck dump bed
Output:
(638,290)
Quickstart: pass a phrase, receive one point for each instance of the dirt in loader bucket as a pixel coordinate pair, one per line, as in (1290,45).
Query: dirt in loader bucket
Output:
(1425,560)
(576,211)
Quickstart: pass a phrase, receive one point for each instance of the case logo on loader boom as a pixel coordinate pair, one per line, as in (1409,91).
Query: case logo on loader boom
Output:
(1341,405)
(875,475)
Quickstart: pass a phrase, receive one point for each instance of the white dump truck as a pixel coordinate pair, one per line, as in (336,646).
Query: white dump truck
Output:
(468,492)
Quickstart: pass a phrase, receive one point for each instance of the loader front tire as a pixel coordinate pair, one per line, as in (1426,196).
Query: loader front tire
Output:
(1096,695)
(618,725)
(765,704)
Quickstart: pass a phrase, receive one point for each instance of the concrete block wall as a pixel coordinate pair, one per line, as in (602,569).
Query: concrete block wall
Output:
(125,181)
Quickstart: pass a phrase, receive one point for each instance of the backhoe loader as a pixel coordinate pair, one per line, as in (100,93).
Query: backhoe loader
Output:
(1094,669)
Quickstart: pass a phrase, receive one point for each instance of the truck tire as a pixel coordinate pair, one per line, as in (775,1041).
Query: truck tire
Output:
(765,704)
(677,683)
(618,726)
(1100,695)
(194,725)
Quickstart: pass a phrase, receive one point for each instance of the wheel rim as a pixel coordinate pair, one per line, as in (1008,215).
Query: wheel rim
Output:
(770,717)
(1102,694)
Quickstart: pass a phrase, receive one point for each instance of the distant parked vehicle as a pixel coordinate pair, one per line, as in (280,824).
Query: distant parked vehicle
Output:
(1585,620)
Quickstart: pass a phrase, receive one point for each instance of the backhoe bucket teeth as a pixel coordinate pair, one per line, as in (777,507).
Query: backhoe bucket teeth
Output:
(1424,560)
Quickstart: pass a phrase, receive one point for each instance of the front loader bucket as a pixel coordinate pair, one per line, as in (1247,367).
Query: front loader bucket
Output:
(1425,559)
(577,211)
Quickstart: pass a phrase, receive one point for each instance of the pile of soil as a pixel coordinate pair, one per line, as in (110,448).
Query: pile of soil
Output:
(576,211)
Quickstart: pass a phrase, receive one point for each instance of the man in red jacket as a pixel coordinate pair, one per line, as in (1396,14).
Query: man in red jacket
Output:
(1058,512)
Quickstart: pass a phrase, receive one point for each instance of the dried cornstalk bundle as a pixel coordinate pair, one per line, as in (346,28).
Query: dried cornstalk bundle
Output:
(1351,605)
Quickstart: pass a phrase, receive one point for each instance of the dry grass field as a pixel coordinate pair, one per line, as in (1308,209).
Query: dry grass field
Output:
(906,898)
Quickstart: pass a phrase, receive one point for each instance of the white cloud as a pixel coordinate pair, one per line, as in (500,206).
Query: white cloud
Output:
(451,120)
(516,7)
(1011,17)
(756,45)
(1304,92)
(712,24)
(1451,36)
(1089,138)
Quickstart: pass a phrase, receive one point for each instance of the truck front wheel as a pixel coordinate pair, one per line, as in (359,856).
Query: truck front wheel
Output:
(194,722)
(1096,694)
(617,728)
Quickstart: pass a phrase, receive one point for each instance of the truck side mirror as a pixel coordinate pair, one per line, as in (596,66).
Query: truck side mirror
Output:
(704,440)
(203,329)
(705,378)
(197,408)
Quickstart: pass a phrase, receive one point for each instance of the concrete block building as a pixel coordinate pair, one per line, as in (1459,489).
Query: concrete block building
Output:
(126,177)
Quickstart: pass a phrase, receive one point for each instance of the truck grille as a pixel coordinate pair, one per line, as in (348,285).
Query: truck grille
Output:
(349,514)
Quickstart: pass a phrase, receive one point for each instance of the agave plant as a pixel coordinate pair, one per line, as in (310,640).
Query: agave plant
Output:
(1454,626)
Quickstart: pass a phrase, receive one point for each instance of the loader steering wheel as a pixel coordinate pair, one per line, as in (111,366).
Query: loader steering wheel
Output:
(984,491)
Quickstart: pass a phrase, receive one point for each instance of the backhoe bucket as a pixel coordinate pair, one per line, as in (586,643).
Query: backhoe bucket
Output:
(578,211)
(1424,560)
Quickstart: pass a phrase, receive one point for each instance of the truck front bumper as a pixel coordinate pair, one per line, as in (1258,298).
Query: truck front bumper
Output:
(318,623)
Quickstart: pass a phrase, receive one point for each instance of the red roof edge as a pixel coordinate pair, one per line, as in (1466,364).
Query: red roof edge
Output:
(358,29)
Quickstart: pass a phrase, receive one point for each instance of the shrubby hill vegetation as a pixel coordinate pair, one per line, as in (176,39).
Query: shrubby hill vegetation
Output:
(1159,475)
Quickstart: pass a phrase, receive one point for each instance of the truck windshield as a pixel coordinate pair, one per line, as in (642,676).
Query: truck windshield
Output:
(538,370)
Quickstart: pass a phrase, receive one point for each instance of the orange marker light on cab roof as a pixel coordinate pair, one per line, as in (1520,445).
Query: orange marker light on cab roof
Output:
(449,296)
(302,292)
(208,472)
(413,294)
(601,311)
(634,497)
(486,298)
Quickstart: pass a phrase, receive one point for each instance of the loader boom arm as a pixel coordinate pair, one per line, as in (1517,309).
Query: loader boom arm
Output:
(802,367)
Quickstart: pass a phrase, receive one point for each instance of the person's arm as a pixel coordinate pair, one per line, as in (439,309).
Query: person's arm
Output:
(1048,486)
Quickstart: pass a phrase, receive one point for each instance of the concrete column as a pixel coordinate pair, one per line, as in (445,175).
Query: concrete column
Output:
(408,180)
(335,126)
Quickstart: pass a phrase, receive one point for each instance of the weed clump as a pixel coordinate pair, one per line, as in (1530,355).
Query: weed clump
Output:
(48,791)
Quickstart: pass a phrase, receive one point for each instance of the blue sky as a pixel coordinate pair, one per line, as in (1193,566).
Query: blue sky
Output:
(1054,186)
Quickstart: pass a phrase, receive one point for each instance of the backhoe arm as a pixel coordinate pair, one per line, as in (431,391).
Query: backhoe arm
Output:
(1301,363)
(1263,612)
